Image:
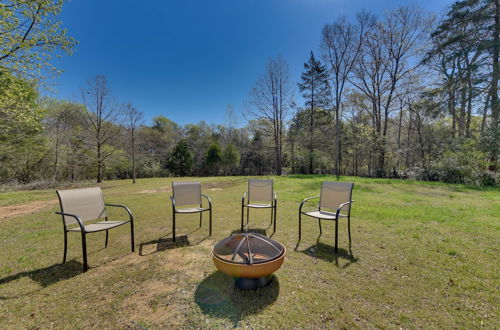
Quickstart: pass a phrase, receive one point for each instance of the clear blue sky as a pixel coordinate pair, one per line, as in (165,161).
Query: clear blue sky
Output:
(188,59)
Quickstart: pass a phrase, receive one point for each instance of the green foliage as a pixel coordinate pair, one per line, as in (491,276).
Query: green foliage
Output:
(180,161)
(213,158)
(466,164)
(230,158)
(30,34)
(20,126)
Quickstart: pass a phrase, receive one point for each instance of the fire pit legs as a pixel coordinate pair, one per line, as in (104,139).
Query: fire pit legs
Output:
(253,283)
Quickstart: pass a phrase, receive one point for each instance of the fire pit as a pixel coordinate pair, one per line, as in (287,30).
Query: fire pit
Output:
(250,258)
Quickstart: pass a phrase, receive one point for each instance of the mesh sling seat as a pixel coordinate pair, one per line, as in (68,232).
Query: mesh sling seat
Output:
(79,206)
(189,194)
(260,195)
(334,198)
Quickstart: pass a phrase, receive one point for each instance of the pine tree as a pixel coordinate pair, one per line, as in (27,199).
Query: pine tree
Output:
(316,90)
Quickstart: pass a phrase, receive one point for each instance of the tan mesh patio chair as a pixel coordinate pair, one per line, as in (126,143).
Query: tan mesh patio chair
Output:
(189,194)
(334,198)
(79,206)
(260,196)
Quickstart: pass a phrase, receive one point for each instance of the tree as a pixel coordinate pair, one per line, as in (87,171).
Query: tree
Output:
(213,158)
(20,125)
(272,100)
(102,119)
(473,27)
(181,160)
(316,90)
(30,33)
(341,45)
(390,52)
(134,120)
(230,158)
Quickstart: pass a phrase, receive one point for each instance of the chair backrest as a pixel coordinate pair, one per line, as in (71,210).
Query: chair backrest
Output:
(186,193)
(87,203)
(335,193)
(260,190)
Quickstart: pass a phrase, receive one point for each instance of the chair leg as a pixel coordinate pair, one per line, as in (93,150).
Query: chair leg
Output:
(210,223)
(201,214)
(132,235)
(84,252)
(349,229)
(336,235)
(300,225)
(248,214)
(320,229)
(275,208)
(242,215)
(65,245)
(106,242)
(173,226)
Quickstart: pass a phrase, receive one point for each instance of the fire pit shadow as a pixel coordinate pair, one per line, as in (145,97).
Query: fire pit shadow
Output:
(217,296)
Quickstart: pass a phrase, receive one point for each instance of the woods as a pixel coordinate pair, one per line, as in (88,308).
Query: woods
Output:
(406,95)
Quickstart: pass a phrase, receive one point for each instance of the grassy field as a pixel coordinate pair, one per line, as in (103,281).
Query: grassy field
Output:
(424,255)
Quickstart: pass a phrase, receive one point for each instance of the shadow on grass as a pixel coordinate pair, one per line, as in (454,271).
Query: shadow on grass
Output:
(162,244)
(327,253)
(46,276)
(250,230)
(217,297)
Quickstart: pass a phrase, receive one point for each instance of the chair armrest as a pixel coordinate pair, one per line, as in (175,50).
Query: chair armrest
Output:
(305,200)
(208,199)
(77,218)
(173,203)
(342,205)
(243,198)
(123,207)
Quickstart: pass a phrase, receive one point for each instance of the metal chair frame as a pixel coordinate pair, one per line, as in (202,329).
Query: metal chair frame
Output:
(209,209)
(273,207)
(84,232)
(337,216)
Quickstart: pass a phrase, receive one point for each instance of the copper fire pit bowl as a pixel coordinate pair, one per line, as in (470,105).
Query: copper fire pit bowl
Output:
(250,258)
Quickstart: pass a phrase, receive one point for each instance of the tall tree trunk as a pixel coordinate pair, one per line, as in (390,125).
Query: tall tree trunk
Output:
(99,164)
(133,157)
(495,104)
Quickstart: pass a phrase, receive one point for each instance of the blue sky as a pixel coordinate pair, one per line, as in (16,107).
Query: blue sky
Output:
(187,60)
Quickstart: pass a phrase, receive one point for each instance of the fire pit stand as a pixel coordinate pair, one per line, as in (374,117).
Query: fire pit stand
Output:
(249,258)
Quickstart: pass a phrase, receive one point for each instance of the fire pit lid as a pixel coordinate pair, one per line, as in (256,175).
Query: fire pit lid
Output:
(248,248)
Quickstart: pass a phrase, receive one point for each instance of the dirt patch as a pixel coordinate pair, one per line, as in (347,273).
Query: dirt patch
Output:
(151,303)
(11,211)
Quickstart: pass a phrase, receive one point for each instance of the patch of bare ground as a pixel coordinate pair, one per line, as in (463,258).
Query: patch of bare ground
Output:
(163,302)
(11,211)
(144,305)
(212,186)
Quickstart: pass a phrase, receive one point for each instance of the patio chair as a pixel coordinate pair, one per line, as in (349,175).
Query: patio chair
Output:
(334,198)
(260,195)
(189,194)
(79,206)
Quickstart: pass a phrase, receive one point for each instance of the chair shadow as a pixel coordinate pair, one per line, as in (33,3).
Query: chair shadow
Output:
(250,230)
(327,253)
(162,244)
(46,276)
(216,296)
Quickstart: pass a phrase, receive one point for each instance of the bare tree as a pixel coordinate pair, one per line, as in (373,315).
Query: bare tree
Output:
(341,45)
(390,52)
(134,121)
(102,119)
(271,98)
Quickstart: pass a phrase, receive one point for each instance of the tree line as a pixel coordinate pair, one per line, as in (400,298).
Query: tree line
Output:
(403,95)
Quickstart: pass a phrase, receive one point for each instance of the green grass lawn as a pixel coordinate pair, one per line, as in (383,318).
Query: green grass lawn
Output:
(424,255)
